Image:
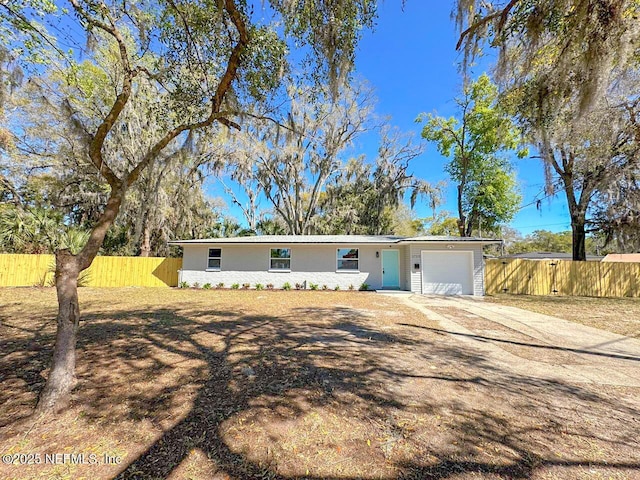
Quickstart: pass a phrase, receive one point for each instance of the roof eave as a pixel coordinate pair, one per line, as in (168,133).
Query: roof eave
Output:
(221,241)
(485,241)
(282,242)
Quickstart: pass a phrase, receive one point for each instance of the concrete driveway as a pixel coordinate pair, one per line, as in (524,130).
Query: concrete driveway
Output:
(533,344)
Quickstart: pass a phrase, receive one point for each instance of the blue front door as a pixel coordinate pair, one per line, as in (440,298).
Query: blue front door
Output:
(390,269)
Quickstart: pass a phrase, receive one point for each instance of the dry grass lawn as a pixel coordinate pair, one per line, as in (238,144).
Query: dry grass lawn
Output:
(617,315)
(186,384)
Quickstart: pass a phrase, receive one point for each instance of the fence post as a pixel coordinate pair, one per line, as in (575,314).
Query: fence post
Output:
(554,273)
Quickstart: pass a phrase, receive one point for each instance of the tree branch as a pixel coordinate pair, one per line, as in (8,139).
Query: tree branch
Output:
(216,104)
(98,139)
(502,14)
(32,28)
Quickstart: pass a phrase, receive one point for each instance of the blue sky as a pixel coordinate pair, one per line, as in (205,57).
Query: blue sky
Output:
(411,62)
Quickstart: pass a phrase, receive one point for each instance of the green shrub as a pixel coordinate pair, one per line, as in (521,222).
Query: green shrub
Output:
(235,286)
(184,285)
(286,286)
(206,286)
(337,287)
(351,287)
(220,285)
(259,286)
(313,286)
(364,287)
(324,287)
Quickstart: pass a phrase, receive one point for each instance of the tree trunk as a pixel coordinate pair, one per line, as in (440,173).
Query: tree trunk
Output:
(145,247)
(62,378)
(462,220)
(578,214)
(578,204)
(579,237)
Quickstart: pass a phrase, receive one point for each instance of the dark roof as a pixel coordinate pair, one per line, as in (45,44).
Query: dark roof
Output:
(444,238)
(547,256)
(331,239)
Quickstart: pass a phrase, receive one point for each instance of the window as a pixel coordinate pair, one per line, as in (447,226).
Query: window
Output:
(215,255)
(347,259)
(280,259)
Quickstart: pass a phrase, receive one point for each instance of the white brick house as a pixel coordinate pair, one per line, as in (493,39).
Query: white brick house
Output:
(435,265)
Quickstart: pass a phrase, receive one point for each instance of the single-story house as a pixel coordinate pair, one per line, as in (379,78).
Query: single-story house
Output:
(429,264)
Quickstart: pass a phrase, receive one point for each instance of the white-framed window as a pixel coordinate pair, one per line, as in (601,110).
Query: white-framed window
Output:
(347,260)
(280,259)
(215,259)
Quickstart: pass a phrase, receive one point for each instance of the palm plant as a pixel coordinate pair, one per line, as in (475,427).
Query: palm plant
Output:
(38,230)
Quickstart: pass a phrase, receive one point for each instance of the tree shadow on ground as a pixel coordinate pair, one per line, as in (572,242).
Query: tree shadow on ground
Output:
(421,397)
(25,352)
(617,356)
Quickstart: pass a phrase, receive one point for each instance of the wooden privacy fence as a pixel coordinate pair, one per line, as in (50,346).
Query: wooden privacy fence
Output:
(37,270)
(562,277)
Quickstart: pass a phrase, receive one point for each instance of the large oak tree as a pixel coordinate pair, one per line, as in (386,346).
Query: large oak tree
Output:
(562,59)
(290,161)
(208,59)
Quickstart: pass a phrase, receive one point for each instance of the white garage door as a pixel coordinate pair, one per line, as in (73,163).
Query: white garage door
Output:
(447,273)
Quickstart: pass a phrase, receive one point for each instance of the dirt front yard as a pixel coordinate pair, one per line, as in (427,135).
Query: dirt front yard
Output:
(214,384)
(617,315)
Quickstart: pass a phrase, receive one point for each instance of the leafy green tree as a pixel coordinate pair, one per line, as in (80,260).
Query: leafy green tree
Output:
(271,226)
(477,144)
(207,59)
(228,227)
(542,241)
(546,241)
(442,224)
